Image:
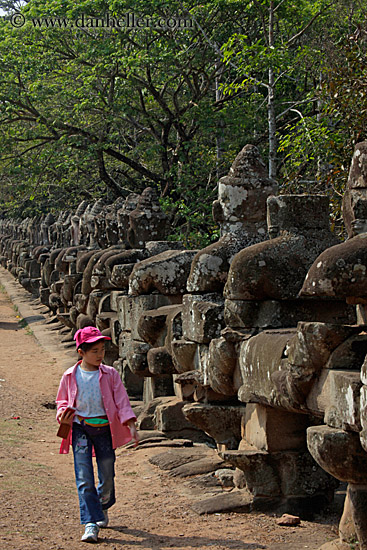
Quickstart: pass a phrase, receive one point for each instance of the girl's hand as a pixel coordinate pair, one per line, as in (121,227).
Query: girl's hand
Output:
(133,431)
(66,417)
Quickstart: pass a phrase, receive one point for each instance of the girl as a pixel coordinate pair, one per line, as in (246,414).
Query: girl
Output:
(93,401)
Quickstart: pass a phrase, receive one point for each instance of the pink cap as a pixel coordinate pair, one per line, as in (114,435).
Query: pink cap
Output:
(88,335)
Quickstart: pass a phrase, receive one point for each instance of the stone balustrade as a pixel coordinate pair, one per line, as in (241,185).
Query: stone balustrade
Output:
(257,343)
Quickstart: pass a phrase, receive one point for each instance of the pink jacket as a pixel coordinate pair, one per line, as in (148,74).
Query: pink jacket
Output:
(115,401)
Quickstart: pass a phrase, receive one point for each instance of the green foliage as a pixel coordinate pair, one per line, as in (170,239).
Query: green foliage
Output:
(94,112)
(86,112)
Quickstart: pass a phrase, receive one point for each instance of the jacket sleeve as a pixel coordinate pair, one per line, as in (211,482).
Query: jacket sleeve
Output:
(121,399)
(61,398)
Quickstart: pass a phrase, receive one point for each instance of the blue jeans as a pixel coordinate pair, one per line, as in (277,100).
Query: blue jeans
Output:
(92,500)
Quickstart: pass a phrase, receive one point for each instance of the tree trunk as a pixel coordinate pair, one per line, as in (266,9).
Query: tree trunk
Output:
(271,100)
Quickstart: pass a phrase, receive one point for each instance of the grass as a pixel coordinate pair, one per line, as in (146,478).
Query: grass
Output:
(22,322)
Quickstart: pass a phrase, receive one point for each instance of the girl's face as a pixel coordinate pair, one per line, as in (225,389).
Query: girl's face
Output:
(94,356)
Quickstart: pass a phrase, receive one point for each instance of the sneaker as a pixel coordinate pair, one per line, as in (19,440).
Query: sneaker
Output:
(103,523)
(91,533)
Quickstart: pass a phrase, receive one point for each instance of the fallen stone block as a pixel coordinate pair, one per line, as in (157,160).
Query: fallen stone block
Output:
(200,466)
(239,501)
(173,459)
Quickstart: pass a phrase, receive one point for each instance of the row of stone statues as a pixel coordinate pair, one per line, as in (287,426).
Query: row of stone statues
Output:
(258,340)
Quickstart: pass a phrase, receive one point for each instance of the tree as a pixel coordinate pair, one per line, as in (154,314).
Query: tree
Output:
(136,108)
(272,62)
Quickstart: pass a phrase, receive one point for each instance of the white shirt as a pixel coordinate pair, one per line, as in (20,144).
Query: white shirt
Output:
(89,399)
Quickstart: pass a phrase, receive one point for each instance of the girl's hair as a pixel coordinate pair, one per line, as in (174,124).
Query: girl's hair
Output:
(85,346)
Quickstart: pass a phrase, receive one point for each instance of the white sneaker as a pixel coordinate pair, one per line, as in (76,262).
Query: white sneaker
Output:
(91,533)
(103,523)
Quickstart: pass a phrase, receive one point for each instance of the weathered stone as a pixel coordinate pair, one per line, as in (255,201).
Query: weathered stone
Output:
(88,270)
(115,328)
(358,499)
(146,419)
(272,430)
(225,477)
(104,305)
(115,295)
(99,282)
(288,520)
(81,302)
(156,247)
(347,531)
(260,357)
(339,271)
(123,214)
(136,356)
(183,355)
(184,392)
(33,268)
(169,417)
(242,194)
(313,342)
(152,324)
(132,382)
(298,212)
(123,257)
(239,501)
(94,298)
(202,317)
(222,423)
(158,386)
(350,354)
(84,321)
(147,222)
(160,361)
(221,365)
(239,479)
(363,415)
(120,275)
(172,459)
(174,327)
(210,266)
(339,453)
(167,272)
(336,393)
(130,308)
(282,473)
(197,467)
(261,480)
(286,313)
(276,269)
(354,200)
(364,372)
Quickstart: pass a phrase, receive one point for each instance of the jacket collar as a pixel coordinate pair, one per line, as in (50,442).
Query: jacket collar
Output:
(103,368)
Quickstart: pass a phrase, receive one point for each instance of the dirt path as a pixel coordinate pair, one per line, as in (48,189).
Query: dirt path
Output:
(39,507)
